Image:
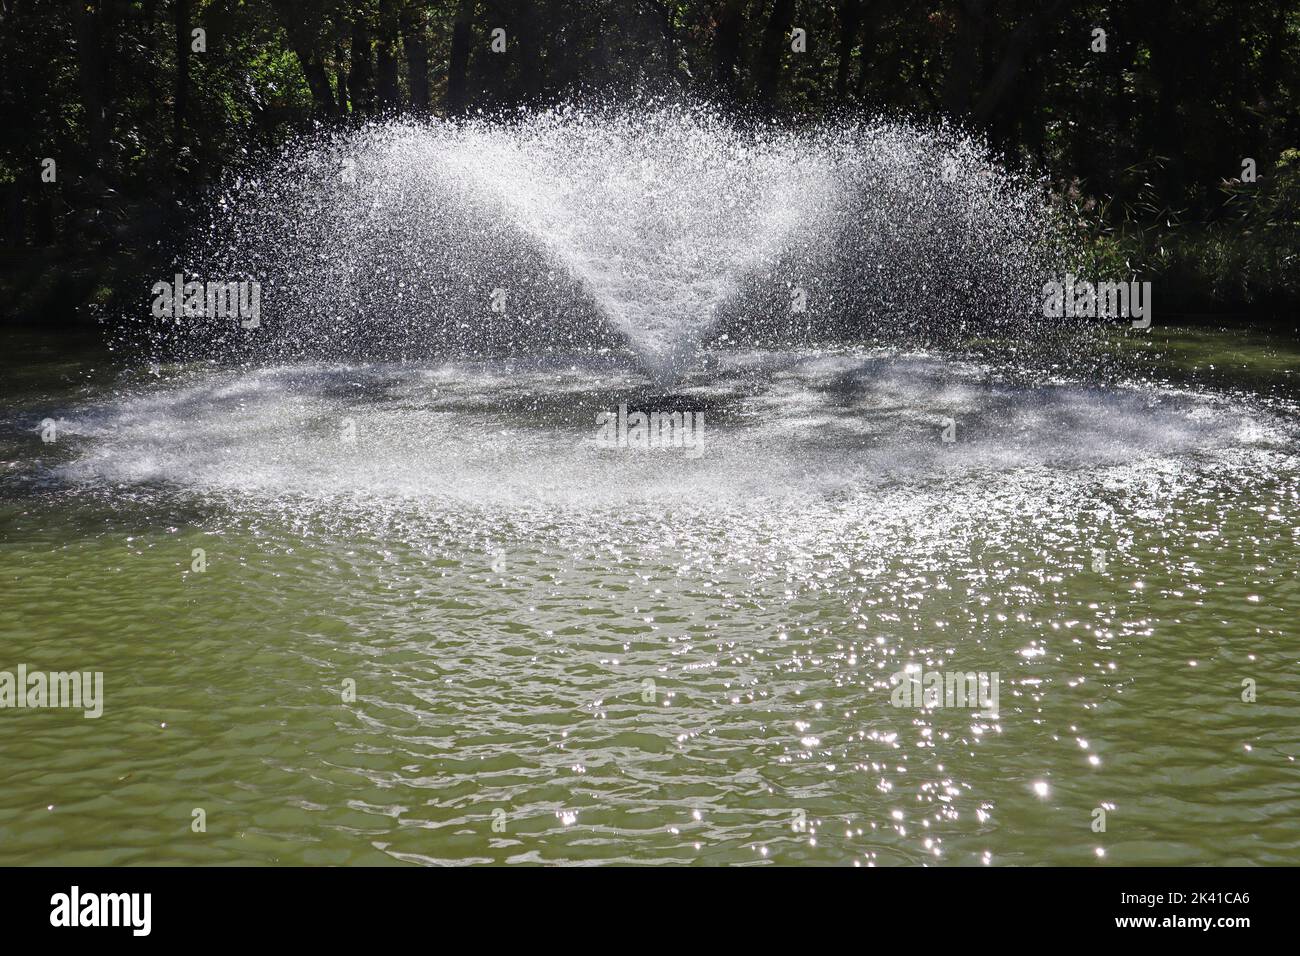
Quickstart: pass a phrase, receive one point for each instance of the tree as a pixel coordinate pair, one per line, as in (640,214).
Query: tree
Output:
(90,70)
(302,25)
(386,58)
(850,17)
(361,79)
(417,56)
(729,24)
(775,40)
(458,68)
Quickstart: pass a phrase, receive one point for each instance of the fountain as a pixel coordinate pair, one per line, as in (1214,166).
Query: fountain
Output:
(556,229)
(407,553)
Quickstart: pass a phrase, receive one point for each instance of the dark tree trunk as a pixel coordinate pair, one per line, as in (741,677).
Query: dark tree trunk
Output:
(530,51)
(775,46)
(361,79)
(1033,130)
(729,25)
(180,102)
(1272,62)
(318,80)
(850,20)
(1169,52)
(870,24)
(149,16)
(43,213)
(558,71)
(386,57)
(1013,59)
(417,57)
(960,80)
(458,67)
(669,43)
(15,227)
(108,29)
(302,39)
(85,26)
(341,97)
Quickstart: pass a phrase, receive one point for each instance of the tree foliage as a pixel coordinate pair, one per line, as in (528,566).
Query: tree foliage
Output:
(1142,112)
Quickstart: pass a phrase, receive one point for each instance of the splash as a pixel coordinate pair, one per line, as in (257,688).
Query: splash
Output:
(648,228)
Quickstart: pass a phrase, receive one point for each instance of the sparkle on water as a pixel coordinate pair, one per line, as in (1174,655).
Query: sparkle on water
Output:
(568,653)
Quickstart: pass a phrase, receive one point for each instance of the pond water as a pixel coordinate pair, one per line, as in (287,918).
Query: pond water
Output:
(564,652)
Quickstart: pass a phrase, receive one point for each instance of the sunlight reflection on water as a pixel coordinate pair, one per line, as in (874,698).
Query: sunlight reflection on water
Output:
(640,656)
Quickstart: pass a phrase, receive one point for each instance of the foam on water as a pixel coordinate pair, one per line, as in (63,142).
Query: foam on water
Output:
(777,426)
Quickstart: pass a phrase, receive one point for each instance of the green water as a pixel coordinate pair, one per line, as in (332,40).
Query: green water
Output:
(649,658)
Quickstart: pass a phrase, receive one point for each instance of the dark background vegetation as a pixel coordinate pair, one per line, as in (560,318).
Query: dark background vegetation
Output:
(1143,144)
